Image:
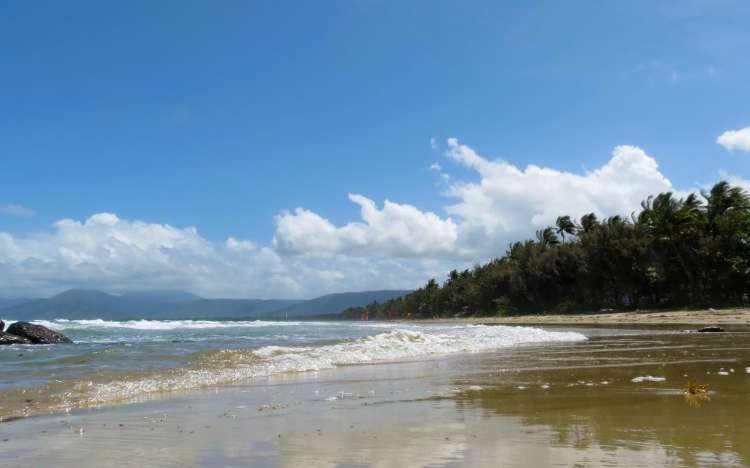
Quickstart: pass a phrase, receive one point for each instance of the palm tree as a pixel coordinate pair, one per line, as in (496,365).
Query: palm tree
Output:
(674,226)
(723,198)
(565,225)
(546,237)
(588,222)
(674,252)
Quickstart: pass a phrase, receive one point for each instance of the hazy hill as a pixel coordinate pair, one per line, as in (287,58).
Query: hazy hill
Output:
(222,308)
(160,297)
(10,302)
(337,303)
(88,304)
(74,303)
(84,304)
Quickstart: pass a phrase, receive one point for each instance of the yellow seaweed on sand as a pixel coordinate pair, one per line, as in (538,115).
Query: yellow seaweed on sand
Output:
(696,394)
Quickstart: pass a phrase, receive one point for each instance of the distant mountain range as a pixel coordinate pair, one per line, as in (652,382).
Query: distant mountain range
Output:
(89,304)
(11,302)
(337,303)
(161,297)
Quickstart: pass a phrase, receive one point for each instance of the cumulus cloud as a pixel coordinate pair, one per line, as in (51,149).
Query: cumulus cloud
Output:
(110,253)
(508,203)
(103,251)
(735,139)
(396,230)
(505,204)
(13,209)
(393,245)
(239,245)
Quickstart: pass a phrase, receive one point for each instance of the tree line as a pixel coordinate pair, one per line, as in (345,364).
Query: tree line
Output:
(674,252)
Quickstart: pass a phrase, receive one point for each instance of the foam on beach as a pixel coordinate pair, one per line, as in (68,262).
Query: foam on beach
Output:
(648,378)
(228,366)
(63,324)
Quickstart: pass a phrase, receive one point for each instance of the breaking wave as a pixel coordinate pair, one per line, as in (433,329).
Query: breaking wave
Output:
(63,324)
(227,366)
(112,378)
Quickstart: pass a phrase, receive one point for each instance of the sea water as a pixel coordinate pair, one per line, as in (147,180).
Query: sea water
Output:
(114,361)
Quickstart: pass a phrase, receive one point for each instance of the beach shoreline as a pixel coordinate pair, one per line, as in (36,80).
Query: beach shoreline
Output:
(613,398)
(707,317)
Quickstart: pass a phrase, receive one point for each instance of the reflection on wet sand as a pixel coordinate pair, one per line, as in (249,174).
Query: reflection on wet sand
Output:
(554,405)
(585,403)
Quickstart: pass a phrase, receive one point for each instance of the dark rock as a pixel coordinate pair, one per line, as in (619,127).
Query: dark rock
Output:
(37,334)
(2,325)
(8,339)
(713,329)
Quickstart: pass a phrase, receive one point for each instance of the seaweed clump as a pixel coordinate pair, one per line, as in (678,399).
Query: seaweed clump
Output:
(696,394)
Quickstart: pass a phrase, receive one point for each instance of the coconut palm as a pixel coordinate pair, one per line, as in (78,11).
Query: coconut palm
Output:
(673,252)
(565,225)
(546,237)
(588,223)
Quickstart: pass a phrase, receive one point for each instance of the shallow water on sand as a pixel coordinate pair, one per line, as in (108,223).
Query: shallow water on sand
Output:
(557,404)
(114,362)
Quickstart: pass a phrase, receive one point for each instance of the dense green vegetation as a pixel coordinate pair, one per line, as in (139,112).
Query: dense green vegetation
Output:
(692,252)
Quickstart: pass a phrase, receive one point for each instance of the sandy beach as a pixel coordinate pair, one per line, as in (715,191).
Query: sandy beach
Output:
(677,317)
(614,398)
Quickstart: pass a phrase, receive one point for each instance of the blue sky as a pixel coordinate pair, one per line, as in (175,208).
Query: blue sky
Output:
(222,115)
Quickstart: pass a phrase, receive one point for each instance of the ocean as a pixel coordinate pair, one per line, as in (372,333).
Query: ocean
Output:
(126,361)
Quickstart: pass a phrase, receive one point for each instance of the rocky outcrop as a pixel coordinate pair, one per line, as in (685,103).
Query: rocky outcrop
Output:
(2,325)
(8,339)
(37,334)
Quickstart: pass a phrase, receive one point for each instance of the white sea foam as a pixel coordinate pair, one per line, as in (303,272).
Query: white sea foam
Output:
(63,324)
(648,378)
(397,345)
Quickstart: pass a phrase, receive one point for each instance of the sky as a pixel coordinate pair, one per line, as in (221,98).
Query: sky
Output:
(292,149)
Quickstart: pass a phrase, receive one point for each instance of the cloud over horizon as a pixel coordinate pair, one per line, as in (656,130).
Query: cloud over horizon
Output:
(110,253)
(393,246)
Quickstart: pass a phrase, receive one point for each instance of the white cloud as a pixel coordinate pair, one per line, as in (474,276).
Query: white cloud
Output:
(238,245)
(110,253)
(735,139)
(390,246)
(396,230)
(436,167)
(305,232)
(508,203)
(13,209)
(734,181)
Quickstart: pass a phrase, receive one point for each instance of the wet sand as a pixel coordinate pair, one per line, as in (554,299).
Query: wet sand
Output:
(677,317)
(554,405)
